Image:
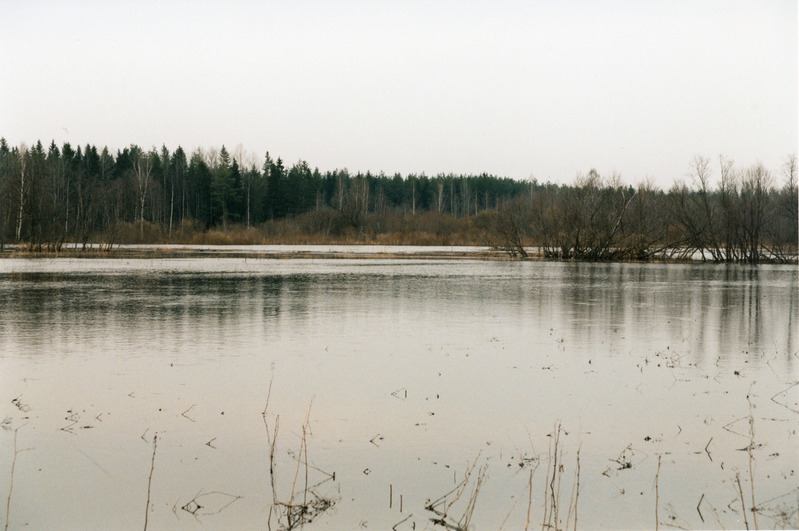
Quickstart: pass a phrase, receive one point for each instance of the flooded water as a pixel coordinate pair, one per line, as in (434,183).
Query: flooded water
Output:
(397,393)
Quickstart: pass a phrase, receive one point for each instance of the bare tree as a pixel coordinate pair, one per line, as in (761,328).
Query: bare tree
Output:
(786,219)
(512,225)
(247,163)
(696,213)
(211,156)
(142,169)
(23,152)
(355,204)
(708,215)
(440,194)
(646,226)
(755,188)
(465,197)
(413,180)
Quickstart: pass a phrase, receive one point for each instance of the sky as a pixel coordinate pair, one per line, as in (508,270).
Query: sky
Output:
(520,89)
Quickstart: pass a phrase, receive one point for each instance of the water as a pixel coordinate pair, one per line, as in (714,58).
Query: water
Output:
(411,373)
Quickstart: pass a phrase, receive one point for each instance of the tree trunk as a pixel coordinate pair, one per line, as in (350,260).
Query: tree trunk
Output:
(21,197)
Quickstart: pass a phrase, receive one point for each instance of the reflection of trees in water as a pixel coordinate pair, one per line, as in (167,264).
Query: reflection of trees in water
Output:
(715,311)
(709,312)
(151,306)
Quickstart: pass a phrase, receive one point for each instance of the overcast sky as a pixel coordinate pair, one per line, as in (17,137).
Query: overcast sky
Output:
(511,88)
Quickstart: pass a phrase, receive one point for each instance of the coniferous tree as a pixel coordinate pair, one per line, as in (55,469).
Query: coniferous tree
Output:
(198,179)
(177,190)
(275,192)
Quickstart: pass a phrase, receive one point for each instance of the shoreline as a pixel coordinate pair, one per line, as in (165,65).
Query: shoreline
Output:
(274,252)
(317,252)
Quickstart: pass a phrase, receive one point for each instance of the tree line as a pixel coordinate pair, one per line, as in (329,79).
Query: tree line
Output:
(52,195)
(746,218)
(58,194)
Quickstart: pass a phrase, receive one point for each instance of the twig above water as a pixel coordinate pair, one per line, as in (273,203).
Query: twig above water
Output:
(150,481)
(189,409)
(13,467)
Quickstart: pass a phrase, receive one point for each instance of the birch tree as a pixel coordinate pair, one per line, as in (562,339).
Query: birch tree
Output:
(142,169)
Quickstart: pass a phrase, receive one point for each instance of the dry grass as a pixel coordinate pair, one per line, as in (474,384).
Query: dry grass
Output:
(302,506)
(442,506)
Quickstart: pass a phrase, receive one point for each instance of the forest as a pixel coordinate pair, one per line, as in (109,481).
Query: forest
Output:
(54,195)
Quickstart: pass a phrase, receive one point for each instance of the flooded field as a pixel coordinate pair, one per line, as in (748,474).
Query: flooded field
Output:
(238,393)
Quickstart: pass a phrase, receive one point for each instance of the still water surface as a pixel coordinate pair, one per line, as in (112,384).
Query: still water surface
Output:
(411,373)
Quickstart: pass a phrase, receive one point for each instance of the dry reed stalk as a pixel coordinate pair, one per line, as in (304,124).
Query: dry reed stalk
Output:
(271,440)
(305,458)
(462,488)
(303,451)
(715,515)
(465,521)
(296,513)
(574,495)
(577,496)
(571,502)
(150,481)
(297,471)
(697,507)
(11,485)
(657,495)
(505,521)
(394,527)
(741,493)
(529,501)
(269,392)
(554,493)
(272,443)
(750,449)
(706,448)
(546,484)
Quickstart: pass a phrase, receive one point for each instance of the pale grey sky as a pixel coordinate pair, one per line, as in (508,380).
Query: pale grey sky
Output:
(513,88)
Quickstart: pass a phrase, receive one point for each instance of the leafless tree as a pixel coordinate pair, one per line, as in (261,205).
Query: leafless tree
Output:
(513,224)
(23,152)
(142,169)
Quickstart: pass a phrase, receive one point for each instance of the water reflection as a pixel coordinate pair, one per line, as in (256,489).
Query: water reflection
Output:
(711,312)
(488,355)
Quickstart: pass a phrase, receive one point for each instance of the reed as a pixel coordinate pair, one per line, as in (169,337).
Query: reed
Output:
(150,481)
(529,500)
(553,487)
(749,450)
(657,495)
(575,494)
(741,494)
(441,506)
(11,483)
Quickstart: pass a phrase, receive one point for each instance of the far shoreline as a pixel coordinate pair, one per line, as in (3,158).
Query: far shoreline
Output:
(268,252)
(314,252)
